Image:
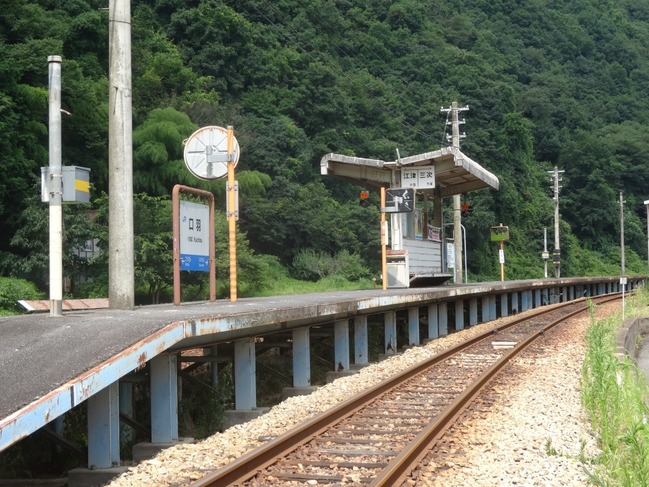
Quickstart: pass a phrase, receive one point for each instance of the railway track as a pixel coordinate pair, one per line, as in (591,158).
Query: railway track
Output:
(377,437)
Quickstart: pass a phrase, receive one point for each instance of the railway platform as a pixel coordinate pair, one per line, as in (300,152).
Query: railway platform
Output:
(51,364)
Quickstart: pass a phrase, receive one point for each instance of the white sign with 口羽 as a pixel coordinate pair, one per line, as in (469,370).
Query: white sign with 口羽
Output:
(194,236)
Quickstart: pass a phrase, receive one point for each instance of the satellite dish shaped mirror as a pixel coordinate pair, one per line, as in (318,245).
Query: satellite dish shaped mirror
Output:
(206,152)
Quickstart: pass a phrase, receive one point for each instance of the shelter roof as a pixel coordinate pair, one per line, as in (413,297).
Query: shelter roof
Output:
(455,172)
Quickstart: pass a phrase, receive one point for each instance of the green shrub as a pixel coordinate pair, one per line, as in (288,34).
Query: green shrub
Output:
(12,290)
(310,265)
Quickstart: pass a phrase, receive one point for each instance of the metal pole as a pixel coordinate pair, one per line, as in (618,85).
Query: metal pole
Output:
(466,269)
(55,187)
(232,216)
(557,249)
(545,252)
(384,238)
(502,264)
(623,281)
(622,233)
(646,203)
(121,267)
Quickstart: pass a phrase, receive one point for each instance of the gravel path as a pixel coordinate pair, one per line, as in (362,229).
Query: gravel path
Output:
(537,436)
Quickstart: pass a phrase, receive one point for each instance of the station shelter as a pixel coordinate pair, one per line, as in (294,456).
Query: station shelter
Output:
(416,254)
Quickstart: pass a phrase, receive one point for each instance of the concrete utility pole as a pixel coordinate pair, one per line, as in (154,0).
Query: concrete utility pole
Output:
(55,187)
(556,256)
(457,199)
(121,267)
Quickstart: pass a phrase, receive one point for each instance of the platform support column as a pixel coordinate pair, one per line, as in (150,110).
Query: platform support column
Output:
(301,358)
(473,311)
(459,315)
(486,312)
(491,302)
(126,407)
(245,383)
(433,321)
(164,398)
(360,340)
(103,428)
(443,319)
(504,305)
(515,302)
(341,345)
(214,365)
(390,324)
(413,326)
(537,298)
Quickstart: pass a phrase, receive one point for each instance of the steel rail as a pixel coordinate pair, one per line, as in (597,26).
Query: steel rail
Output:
(253,462)
(399,468)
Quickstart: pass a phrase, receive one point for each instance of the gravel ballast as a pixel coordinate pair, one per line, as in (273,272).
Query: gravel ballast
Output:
(529,431)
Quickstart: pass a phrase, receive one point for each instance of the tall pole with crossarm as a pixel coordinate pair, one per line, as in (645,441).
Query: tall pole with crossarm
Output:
(121,267)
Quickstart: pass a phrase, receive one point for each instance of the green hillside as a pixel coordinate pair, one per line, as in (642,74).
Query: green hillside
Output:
(548,84)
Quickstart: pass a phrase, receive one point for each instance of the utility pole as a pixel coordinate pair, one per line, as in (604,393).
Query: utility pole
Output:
(121,266)
(646,204)
(457,199)
(622,278)
(556,256)
(55,187)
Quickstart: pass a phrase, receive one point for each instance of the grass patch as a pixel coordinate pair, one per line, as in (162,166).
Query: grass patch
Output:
(615,394)
(287,286)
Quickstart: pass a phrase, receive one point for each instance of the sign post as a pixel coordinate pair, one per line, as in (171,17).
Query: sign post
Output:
(212,153)
(233,215)
(500,234)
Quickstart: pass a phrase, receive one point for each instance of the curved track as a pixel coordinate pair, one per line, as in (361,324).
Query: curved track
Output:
(379,436)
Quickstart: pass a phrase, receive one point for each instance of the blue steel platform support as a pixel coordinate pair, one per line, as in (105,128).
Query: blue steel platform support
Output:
(537,298)
(360,341)
(245,366)
(459,315)
(525,305)
(164,398)
(504,305)
(341,344)
(486,311)
(301,358)
(515,303)
(126,407)
(473,312)
(390,325)
(433,321)
(413,326)
(443,319)
(493,312)
(103,428)
(214,365)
